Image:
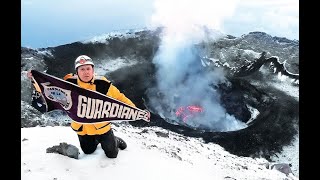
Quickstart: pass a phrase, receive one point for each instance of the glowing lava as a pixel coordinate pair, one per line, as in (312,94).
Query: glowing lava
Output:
(188,112)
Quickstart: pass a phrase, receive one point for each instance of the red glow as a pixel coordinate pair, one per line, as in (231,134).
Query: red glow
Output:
(188,112)
(195,109)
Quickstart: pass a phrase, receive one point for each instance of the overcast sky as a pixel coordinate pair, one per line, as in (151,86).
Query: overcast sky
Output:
(53,23)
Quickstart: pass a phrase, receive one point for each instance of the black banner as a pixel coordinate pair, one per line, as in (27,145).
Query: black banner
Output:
(83,105)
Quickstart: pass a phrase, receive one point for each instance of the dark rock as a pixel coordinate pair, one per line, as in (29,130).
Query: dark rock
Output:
(282,167)
(65,149)
(161,134)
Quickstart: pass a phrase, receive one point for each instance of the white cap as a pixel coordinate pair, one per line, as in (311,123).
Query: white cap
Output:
(82,60)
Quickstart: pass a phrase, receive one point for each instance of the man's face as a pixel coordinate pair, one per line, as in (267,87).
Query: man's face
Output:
(85,72)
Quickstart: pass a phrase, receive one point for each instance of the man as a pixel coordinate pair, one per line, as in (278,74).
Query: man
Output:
(90,135)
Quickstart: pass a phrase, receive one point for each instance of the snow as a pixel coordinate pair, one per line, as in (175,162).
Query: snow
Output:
(290,155)
(152,153)
(285,85)
(281,82)
(45,52)
(123,34)
(252,53)
(109,65)
(226,64)
(254,113)
(215,62)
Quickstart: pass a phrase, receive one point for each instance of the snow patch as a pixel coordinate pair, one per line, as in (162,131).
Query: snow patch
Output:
(122,34)
(254,113)
(252,53)
(287,87)
(45,52)
(109,65)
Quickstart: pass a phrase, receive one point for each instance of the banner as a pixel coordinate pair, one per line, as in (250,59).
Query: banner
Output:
(84,105)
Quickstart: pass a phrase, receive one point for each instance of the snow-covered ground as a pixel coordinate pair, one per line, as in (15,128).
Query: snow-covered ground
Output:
(289,155)
(152,153)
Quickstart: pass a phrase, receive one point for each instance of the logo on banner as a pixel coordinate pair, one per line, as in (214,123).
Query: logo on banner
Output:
(57,94)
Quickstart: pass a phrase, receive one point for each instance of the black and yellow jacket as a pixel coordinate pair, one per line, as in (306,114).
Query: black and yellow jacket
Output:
(101,84)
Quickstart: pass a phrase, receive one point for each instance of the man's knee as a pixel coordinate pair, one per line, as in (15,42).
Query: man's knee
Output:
(111,154)
(110,149)
(109,144)
(88,144)
(88,150)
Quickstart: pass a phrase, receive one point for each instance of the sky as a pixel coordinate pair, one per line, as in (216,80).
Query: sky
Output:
(148,156)
(53,23)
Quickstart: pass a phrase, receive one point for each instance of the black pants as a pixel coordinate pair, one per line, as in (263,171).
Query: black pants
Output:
(89,143)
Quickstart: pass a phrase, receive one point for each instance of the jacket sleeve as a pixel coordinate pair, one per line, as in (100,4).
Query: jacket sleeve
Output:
(70,75)
(115,93)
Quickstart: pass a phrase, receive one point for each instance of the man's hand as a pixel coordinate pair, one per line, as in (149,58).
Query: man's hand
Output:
(29,74)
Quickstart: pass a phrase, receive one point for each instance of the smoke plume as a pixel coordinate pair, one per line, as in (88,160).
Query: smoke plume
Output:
(181,79)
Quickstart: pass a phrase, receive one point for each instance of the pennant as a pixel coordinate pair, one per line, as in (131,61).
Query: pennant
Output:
(84,105)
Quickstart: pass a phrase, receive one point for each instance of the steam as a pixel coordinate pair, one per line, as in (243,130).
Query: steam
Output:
(181,79)
(185,16)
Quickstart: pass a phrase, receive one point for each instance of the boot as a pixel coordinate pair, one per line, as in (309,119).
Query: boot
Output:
(121,143)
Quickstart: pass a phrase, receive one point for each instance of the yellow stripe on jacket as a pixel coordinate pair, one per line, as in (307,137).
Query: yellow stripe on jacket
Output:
(97,128)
